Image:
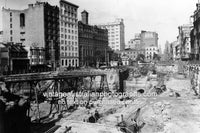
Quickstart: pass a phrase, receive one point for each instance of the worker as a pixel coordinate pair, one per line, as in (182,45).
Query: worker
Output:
(96,115)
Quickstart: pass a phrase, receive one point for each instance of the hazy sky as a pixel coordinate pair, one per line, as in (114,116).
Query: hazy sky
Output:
(162,16)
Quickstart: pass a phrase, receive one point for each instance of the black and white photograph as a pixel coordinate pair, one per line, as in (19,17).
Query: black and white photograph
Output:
(99,66)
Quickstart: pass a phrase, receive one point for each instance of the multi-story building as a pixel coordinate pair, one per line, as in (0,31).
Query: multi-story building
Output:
(192,43)
(184,40)
(132,53)
(37,28)
(1,36)
(130,45)
(13,58)
(134,43)
(148,38)
(93,42)
(178,52)
(175,51)
(69,49)
(195,38)
(115,34)
(137,40)
(150,52)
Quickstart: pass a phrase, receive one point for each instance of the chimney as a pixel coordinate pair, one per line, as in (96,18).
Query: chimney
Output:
(84,15)
(30,5)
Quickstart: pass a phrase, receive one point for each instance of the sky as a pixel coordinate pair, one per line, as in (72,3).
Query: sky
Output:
(161,16)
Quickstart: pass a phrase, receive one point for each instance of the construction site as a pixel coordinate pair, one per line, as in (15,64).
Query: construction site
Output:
(145,98)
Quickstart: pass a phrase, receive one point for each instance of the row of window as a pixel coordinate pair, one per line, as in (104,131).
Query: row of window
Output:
(36,60)
(151,52)
(69,54)
(87,52)
(69,48)
(69,37)
(68,8)
(68,13)
(133,53)
(114,42)
(69,62)
(151,49)
(11,38)
(69,31)
(69,19)
(65,24)
(69,42)
(113,39)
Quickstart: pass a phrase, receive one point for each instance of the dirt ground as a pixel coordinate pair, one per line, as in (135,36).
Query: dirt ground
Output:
(165,113)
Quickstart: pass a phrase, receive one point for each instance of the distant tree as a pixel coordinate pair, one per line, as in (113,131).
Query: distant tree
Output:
(99,56)
(140,58)
(119,62)
(156,57)
(114,57)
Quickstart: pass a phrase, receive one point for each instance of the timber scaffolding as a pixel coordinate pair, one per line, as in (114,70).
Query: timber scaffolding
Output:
(70,77)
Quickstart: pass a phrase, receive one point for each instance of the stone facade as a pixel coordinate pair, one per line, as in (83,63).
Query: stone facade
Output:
(149,38)
(69,50)
(195,38)
(132,53)
(35,27)
(150,51)
(93,42)
(116,34)
(184,41)
(1,36)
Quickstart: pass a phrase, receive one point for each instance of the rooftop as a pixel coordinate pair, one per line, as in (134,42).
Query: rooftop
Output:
(66,2)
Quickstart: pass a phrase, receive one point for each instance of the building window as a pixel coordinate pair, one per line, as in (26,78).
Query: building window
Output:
(11,39)
(11,14)
(66,62)
(62,62)
(22,19)
(10,25)
(10,32)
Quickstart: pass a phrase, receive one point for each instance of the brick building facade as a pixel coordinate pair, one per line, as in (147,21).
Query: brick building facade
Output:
(93,42)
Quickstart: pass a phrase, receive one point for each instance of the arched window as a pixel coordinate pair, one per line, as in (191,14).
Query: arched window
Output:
(22,20)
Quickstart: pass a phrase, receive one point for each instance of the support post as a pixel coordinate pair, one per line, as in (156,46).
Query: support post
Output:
(37,102)
(91,81)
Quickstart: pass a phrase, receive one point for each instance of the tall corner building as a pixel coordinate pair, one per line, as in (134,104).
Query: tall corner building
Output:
(116,34)
(69,50)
